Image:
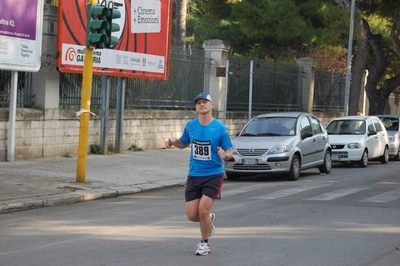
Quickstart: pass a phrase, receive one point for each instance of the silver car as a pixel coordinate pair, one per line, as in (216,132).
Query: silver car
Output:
(280,143)
(391,123)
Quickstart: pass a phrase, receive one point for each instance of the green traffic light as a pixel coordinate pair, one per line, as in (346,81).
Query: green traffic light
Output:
(100,26)
(112,27)
(96,26)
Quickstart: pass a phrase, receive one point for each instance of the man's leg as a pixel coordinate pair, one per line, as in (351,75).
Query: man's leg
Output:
(192,210)
(199,211)
(205,207)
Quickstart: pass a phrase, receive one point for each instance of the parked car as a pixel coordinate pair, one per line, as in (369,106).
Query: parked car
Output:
(280,143)
(391,123)
(357,139)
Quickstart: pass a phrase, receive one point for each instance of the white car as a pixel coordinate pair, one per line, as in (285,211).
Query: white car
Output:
(280,143)
(357,139)
(391,123)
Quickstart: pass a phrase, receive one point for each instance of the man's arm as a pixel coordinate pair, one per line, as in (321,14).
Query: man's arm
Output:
(177,143)
(225,155)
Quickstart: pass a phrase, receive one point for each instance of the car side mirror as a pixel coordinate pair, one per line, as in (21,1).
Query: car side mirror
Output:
(306,135)
(372,133)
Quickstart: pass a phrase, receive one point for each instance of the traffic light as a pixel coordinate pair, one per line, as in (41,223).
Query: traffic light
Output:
(96,25)
(112,27)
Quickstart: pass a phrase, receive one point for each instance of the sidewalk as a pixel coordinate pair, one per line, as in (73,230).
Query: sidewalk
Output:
(28,184)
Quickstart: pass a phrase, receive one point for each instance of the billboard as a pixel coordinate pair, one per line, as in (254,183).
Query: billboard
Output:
(145,37)
(21,24)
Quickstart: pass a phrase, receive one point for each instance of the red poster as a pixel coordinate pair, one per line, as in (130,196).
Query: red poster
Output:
(145,37)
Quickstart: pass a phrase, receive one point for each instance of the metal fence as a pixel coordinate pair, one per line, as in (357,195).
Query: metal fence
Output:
(25,97)
(186,80)
(275,87)
(329,91)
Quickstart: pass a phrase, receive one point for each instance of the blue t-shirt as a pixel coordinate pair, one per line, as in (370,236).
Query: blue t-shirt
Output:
(205,140)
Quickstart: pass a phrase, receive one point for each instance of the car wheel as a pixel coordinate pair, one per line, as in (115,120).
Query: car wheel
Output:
(397,157)
(327,166)
(364,159)
(294,172)
(232,176)
(385,156)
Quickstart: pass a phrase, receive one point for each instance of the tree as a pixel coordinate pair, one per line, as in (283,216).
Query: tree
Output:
(275,30)
(287,30)
(384,50)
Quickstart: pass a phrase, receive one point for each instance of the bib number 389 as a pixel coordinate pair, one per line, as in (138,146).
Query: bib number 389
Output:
(202,150)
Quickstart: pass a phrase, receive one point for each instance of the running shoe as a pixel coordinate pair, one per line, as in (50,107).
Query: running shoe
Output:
(212,215)
(203,249)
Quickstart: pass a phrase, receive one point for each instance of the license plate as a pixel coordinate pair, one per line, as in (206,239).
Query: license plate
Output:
(250,161)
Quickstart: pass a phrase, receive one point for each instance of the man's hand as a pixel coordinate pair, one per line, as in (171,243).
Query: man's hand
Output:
(222,154)
(169,144)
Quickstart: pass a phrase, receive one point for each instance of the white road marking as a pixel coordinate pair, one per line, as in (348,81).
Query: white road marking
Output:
(385,197)
(338,193)
(231,192)
(285,192)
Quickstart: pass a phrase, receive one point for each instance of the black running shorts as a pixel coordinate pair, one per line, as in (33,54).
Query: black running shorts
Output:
(208,185)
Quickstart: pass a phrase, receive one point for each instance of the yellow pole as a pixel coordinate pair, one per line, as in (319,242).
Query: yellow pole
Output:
(84,118)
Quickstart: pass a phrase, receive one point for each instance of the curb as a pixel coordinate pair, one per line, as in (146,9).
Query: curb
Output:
(81,196)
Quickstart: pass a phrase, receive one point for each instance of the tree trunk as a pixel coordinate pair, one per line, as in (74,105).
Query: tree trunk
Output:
(377,96)
(180,27)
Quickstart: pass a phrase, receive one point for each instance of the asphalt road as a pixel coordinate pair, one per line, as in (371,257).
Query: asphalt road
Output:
(349,217)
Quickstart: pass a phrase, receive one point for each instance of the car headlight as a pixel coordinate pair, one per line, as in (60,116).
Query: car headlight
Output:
(393,138)
(354,145)
(278,149)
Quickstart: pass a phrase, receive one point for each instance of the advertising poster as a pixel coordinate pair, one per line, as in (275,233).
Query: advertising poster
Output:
(21,24)
(145,36)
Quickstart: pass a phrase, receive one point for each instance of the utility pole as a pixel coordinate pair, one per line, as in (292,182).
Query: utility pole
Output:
(84,117)
(99,30)
(349,55)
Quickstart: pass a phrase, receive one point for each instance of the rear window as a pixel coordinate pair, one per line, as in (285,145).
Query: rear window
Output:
(390,123)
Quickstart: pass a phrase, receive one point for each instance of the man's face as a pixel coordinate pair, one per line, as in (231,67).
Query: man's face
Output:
(204,106)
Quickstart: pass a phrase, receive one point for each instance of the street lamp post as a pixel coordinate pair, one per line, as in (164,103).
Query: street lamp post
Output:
(349,55)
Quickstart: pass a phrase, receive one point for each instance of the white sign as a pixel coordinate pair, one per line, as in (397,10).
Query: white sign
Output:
(107,58)
(146,16)
(21,24)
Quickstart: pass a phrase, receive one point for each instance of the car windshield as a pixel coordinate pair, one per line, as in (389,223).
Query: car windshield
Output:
(346,127)
(391,124)
(270,126)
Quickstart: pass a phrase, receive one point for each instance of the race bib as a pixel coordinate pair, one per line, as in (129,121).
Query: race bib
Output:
(201,150)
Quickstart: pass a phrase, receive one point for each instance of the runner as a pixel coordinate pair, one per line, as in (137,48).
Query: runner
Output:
(210,145)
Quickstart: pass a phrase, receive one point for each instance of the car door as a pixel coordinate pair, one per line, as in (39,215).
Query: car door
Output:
(320,139)
(381,134)
(307,145)
(372,141)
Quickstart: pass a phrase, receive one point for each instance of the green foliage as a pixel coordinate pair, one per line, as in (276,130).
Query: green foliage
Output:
(270,19)
(111,149)
(51,2)
(135,148)
(269,29)
(95,149)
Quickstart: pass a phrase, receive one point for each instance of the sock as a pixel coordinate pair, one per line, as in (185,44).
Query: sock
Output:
(204,241)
